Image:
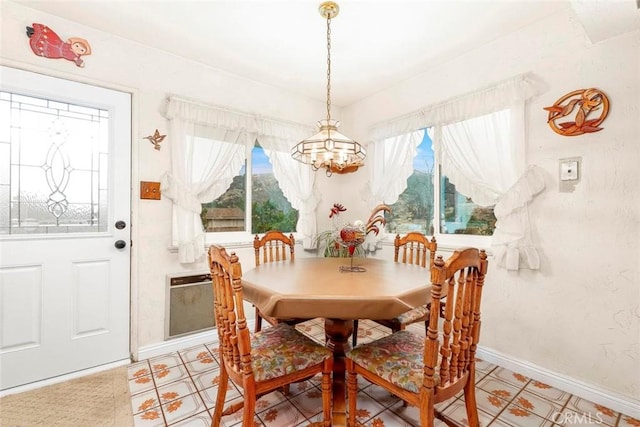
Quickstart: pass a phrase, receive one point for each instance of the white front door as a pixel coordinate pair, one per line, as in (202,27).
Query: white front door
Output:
(65,231)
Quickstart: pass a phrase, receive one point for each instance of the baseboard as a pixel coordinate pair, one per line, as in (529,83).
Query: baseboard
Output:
(181,343)
(593,393)
(175,344)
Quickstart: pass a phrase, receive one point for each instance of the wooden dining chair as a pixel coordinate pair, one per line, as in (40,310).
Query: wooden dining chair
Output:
(412,248)
(273,246)
(429,370)
(265,361)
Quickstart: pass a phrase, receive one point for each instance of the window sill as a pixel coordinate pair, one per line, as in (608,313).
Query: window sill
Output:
(446,242)
(451,242)
(230,240)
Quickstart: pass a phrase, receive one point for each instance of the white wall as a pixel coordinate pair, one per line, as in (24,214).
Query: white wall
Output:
(579,315)
(151,75)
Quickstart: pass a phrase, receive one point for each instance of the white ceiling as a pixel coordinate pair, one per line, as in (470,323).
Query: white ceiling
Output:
(375,43)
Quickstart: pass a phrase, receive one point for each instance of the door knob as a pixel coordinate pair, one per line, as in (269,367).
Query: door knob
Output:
(120,244)
(120,225)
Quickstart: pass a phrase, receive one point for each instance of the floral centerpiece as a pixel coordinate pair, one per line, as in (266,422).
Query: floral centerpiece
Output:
(345,240)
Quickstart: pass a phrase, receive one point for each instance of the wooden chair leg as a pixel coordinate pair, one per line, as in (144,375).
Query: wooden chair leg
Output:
(249,412)
(427,414)
(354,336)
(470,401)
(258,321)
(220,398)
(326,393)
(352,391)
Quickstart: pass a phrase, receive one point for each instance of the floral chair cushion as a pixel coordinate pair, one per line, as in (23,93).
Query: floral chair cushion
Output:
(282,350)
(413,315)
(398,358)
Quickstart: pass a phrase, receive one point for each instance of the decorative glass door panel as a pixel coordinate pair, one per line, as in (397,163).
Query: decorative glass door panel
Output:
(54,162)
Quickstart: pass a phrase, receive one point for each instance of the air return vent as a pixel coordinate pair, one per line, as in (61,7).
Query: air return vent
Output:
(189,304)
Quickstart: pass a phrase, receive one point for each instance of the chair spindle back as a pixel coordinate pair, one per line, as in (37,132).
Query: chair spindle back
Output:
(275,246)
(414,247)
(460,279)
(233,335)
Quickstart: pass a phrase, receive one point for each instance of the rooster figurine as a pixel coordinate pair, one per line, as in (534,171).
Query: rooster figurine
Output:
(336,209)
(376,220)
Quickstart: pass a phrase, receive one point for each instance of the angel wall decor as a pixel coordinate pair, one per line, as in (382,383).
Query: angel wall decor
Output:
(45,42)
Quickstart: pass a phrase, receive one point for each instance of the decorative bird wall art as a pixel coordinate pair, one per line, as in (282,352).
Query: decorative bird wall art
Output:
(156,139)
(587,102)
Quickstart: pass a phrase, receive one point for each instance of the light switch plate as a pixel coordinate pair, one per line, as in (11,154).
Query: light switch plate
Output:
(570,174)
(150,190)
(569,169)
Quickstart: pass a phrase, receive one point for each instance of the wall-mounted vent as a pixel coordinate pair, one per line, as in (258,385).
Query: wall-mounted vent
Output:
(189,304)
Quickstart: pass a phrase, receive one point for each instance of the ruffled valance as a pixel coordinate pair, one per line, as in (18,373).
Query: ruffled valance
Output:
(492,98)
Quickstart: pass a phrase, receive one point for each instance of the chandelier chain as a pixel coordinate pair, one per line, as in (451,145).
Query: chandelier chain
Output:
(328,68)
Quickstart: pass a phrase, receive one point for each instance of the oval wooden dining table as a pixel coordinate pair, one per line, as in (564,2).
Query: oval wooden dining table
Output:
(315,287)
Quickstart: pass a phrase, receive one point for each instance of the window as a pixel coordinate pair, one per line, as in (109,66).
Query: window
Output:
(418,205)
(480,143)
(460,215)
(268,207)
(211,146)
(54,158)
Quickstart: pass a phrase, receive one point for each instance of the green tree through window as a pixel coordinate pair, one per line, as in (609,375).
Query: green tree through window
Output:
(417,205)
(270,209)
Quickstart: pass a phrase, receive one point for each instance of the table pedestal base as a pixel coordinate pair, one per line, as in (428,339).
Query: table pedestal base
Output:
(337,333)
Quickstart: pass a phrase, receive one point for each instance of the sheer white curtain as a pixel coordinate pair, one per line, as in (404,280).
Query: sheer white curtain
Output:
(484,158)
(391,164)
(201,172)
(296,179)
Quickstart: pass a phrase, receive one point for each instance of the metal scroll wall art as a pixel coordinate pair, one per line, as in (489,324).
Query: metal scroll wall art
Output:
(587,107)
(156,139)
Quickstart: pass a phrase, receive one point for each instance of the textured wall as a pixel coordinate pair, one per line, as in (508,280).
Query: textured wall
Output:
(151,75)
(580,314)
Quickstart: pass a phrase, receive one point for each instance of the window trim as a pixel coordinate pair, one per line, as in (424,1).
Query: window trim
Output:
(240,238)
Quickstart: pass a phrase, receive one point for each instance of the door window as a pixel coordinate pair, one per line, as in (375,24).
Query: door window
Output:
(53,166)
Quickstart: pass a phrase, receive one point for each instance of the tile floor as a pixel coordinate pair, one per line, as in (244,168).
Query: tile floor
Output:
(179,389)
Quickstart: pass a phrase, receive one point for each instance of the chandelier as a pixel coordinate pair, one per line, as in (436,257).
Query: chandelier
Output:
(329,149)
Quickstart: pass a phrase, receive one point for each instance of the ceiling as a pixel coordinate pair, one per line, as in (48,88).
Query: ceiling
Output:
(374,44)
